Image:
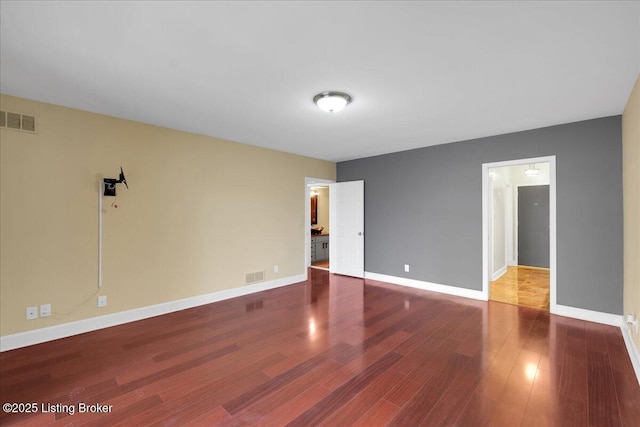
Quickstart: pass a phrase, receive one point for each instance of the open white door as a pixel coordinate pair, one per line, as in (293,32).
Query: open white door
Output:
(346,239)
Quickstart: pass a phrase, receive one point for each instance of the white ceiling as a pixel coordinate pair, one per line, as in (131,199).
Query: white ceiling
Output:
(420,73)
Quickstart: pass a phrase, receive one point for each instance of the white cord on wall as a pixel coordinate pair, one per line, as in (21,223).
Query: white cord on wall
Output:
(100,189)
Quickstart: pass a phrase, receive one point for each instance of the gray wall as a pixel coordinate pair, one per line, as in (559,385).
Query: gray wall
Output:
(423,207)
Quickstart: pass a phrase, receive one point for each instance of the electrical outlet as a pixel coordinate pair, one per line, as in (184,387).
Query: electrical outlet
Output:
(406,268)
(276,268)
(632,321)
(32,312)
(102,301)
(45,310)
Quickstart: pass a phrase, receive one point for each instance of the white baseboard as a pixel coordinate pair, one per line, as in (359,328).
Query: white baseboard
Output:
(427,286)
(498,274)
(589,315)
(632,349)
(37,336)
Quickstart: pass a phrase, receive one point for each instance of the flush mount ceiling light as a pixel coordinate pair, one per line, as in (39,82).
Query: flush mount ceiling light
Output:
(332,102)
(532,171)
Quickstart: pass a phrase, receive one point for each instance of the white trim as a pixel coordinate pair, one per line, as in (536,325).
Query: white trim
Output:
(552,224)
(498,274)
(589,315)
(37,336)
(634,354)
(553,233)
(486,231)
(427,286)
(487,190)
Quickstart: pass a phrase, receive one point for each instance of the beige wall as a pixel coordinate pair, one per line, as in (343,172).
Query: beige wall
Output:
(323,208)
(631,184)
(199,214)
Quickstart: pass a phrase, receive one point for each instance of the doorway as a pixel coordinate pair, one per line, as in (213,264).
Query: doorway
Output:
(519,238)
(319,249)
(345,246)
(317,224)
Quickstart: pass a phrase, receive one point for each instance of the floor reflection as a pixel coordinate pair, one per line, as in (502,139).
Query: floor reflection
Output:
(520,285)
(336,350)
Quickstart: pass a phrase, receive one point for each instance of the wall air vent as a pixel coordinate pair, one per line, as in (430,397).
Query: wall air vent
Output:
(254,277)
(13,121)
(16,121)
(28,123)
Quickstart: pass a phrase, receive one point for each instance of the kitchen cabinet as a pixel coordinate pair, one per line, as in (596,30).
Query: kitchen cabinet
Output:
(319,248)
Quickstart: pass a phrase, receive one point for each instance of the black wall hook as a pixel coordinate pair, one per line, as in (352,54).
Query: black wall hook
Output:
(110,184)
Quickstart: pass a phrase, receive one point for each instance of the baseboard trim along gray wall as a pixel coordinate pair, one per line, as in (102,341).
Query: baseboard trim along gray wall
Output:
(423,208)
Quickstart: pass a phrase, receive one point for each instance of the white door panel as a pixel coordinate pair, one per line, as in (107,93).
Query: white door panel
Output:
(346,239)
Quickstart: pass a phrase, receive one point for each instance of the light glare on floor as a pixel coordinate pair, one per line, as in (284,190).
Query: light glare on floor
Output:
(530,371)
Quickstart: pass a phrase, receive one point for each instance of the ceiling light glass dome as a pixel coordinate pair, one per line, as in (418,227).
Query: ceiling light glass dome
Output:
(332,102)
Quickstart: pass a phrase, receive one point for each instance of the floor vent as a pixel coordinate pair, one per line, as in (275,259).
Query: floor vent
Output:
(257,276)
(18,121)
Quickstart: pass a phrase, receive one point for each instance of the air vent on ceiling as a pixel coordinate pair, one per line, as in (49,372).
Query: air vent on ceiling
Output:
(254,277)
(17,121)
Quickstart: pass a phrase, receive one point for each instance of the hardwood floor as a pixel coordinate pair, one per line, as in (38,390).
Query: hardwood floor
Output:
(332,351)
(321,264)
(521,285)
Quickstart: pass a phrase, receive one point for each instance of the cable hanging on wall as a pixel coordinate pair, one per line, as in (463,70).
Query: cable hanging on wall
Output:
(106,187)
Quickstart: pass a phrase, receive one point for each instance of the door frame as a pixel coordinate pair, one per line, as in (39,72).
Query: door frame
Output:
(308,183)
(486,218)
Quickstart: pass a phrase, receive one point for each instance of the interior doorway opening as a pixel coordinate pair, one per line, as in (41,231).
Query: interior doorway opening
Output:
(519,232)
(317,223)
(319,247)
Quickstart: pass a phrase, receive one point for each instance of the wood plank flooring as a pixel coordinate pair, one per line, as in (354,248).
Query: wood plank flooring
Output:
(323,264)
(521,285)
(332,351)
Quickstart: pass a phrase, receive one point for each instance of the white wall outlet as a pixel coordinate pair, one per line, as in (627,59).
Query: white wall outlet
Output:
(32,312)
(632,320)
(406,268)
(45,310)
(276,268)
(102,301)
